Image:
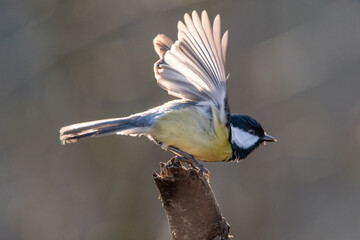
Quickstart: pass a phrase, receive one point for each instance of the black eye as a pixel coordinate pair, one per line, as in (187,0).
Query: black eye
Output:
(251,131)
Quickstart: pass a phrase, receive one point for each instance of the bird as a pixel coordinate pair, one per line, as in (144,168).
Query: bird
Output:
(198,124)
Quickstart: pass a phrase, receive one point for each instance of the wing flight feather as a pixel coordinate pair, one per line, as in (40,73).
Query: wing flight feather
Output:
(193,68)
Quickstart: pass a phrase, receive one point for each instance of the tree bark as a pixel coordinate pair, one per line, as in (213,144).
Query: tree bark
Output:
(191,206)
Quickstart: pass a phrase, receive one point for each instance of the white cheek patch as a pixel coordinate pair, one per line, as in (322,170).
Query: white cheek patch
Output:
(242,138)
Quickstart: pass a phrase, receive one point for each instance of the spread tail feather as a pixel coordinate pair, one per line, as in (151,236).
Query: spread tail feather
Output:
(127,126)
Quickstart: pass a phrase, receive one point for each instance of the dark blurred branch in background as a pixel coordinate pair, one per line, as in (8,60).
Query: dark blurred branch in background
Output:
(190,204)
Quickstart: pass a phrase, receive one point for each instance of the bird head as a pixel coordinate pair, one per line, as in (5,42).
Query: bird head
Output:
(246,135)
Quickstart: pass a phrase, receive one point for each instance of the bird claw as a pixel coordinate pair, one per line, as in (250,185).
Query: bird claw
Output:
(172,163)
(191,161)
(187,158)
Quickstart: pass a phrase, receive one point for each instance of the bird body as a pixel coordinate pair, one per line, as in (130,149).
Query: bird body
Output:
(199,124)
(195,133)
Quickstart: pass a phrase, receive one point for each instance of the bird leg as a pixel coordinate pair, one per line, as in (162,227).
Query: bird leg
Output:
(187,158)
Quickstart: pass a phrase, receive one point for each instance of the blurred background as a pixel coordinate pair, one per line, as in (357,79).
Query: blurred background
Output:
(294,65)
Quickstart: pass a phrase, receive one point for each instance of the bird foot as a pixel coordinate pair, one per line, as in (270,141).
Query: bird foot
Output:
(176,162)
(186,158)
(192,162)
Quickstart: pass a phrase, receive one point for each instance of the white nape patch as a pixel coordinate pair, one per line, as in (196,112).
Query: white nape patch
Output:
(242,138)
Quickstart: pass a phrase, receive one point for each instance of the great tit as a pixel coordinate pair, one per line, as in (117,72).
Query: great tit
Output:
(198,125)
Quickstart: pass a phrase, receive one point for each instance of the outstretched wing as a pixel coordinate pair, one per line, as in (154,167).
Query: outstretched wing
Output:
(193,68)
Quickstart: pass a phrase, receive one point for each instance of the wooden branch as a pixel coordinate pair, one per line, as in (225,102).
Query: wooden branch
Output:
(190,204)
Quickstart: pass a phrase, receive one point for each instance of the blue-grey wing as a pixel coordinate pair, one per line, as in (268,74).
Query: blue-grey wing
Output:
(147,118)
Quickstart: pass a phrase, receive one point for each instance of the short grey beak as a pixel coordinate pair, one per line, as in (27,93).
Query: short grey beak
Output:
(268,138)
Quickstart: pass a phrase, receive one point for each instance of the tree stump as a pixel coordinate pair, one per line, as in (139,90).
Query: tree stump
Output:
(192,210)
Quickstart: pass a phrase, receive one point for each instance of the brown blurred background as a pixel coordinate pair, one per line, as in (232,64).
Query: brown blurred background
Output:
(294,65)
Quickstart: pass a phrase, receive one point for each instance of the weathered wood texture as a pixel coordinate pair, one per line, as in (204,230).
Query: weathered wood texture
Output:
(190,204)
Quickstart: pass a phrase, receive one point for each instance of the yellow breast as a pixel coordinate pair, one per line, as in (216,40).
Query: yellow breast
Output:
(193,132)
